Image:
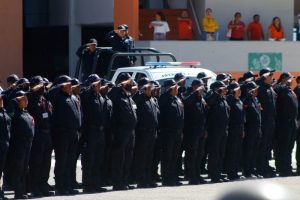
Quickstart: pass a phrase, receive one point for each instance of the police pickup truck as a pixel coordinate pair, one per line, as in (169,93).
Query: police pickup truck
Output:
(162,71)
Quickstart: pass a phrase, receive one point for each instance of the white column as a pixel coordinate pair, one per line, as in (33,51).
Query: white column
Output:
(74,37)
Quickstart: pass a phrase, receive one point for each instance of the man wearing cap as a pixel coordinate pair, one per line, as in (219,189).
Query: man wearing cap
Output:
(171,126)
(66,122)
(195,132)
(267,98)
(5,124)
(120,43)
(297,92)
(235,131)
(125,119)
(147,114)
(286,124)
(247,77)
(89,56)
(94,117)
(252,129)
(40,159)
(224,78)
(180,79)
(22,132)
(217,123)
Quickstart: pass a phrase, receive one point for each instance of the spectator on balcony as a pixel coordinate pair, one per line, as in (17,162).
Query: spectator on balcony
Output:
(160,25)
(276,31)
(237,27)
(210,25)
(255,29)
(185,26)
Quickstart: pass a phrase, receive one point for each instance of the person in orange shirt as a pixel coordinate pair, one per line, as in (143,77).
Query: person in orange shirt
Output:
(255,29)
(276,31)
(185,27)
(210,25)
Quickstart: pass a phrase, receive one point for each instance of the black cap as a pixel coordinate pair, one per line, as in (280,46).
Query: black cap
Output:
(218,85)
(249,74)
(179,76)
(121,28)
(241,80)
(12,78)
(143,81)
(46,81)
(298,78)
(93,41)
(202,75)
(285,75)
(19,93)
(197,82)
(266,70)
(36,80)
(125,26)
(64,79)
(233,86)
(92,79)
(155,83)
(75,81)
(123,77)
(169,83)
(251,85)
(22,81)
(222,77)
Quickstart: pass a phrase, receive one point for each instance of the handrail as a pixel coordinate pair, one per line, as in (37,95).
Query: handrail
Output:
(195,16)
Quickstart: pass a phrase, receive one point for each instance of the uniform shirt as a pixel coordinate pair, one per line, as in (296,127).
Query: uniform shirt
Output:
(209,24)
(297,92)
(171,112)
(286,103)
(89,59)
(276,34)
(147,113)
(195,112)
(22,126)
(124,109)
(66,112)
(117,43)
(39,109)
(253,111)
(267,98)
(237,113)
(93,109)
(162,28)
(256,31)
(5,125)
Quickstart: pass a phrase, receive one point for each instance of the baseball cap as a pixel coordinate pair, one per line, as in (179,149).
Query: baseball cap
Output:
(202,75)
(19,94)
(285,75)
(248,75)
(22,81)
(93,41)
(197,82)
(12,78)
(266,70)
(222,77)
(143,81)
(169,83)
(123,77)
(93,78)
(233,86)
(251,85)
(179,76)
(219,85)
(64,79)
(121,28)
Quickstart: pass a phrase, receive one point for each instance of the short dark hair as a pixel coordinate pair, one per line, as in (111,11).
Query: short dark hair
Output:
(237,13)
(256,15)
(162,16)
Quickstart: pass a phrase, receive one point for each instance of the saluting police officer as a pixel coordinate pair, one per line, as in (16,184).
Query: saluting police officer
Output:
(267,98)
(22,134)
(286,129)
(125,119)
(171,126)
(40,159)
(297,92)
(217,122)
(252,129)
(66,122)
(5,125)
(195,131)
(235,131)
(93,126)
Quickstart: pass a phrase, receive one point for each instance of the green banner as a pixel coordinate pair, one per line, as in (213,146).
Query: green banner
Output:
(258,61)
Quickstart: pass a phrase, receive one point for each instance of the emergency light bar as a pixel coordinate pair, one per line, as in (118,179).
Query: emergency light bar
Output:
(187,63)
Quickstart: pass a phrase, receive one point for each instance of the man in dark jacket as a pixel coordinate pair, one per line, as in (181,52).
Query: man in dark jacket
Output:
(94,116)
(171,126)
(297,92)
(40,158)
(125,119)
(286,124)
(5,125)
(66,122)
(195,131)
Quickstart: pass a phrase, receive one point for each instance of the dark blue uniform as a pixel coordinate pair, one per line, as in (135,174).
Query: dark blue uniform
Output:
(94,115)
(125,119)
(22,133)
(252,133)
(286,127)
(66,121)
(217,119)
(235,136)
(297,92)
(40,158)
(5,125)
(171,126)
(194,133)
(267,99)
(147,114)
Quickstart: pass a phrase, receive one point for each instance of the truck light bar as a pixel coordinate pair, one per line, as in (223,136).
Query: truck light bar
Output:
(186,63)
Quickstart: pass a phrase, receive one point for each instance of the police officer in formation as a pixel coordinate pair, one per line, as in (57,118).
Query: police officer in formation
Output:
(130,130)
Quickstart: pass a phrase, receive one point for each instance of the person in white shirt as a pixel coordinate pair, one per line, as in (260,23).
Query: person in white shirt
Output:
(160,25)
